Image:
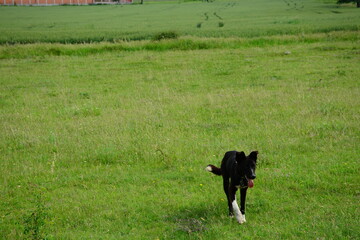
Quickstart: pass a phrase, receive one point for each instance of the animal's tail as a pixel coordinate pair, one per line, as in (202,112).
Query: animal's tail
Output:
(214,170)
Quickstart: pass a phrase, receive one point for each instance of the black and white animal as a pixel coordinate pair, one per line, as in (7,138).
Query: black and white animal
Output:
(238,172)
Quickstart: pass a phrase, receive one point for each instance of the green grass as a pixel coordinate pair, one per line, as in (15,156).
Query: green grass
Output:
(110,140)
(113,144)
(246,18)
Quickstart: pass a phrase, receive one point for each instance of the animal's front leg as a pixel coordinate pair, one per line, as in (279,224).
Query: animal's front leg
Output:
(242,202)
(239,217)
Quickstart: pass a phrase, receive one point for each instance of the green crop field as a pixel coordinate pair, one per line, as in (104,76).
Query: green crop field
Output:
(243,18)
(109,139)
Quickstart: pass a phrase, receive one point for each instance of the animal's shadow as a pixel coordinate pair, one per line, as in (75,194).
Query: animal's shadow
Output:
(195,218)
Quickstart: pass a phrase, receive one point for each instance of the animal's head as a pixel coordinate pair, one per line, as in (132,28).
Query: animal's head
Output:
(246,167)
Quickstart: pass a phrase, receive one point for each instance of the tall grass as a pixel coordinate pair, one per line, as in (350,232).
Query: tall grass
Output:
(182,44)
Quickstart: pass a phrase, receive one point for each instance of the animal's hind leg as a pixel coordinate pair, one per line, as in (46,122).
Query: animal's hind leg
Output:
(226,190)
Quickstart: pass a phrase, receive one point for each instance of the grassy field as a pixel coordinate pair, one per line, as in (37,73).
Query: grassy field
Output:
(245,18)
(110,140)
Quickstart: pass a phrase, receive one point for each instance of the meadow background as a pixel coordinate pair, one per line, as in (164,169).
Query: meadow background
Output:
(243,18)
(105,137)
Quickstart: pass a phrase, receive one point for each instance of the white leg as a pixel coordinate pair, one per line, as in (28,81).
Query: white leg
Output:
(239,217)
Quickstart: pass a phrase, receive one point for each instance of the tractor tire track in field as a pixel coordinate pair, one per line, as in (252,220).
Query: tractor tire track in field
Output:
(206,19)
(216,15)
(294,4)
(206,16)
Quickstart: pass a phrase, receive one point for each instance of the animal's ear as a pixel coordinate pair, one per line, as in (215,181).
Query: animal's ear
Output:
(253,155)
(240,156)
